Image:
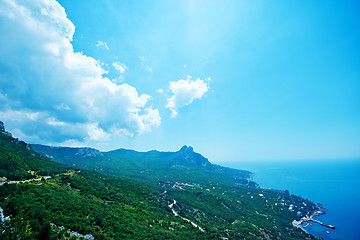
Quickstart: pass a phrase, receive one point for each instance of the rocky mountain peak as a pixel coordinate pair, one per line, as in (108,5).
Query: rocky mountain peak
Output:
(186,149)
(190,158)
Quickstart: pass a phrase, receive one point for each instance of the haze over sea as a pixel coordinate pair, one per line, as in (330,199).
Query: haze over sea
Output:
(334,183)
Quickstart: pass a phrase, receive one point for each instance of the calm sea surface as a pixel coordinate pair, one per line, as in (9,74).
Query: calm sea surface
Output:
(334,183)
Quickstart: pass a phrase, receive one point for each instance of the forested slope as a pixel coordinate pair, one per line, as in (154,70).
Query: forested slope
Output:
(184,198)
(19,161)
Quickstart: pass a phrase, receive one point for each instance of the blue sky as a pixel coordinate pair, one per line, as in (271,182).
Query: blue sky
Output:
(237,80)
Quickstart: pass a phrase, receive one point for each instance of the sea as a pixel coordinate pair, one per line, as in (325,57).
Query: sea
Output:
(333,183)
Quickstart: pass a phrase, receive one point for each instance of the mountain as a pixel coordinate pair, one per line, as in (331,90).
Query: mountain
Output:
(146,167)
(185,157)
(136,195)
(188,157)
(73,203)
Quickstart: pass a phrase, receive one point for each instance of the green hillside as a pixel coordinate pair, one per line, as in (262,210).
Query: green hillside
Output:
(153,195)
(19,161)
(148,167)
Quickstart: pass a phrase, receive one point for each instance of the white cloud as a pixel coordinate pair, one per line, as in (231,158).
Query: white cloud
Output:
(118,79)
(102,44)
(96,134)
(185,92)
(119,67)
(54,93)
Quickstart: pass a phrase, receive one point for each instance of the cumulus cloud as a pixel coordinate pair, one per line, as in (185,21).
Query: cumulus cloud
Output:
(54,93)
(102,44)
(185,92)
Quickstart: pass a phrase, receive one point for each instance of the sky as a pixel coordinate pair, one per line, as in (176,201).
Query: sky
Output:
(237,80)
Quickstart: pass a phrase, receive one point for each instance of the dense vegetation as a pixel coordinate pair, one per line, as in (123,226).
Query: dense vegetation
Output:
(150,195)
(86,202)
(147,167)
(19,161)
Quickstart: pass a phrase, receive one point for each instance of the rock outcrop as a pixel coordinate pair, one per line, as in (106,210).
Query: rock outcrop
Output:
(88,152)
(190,158)
(2,129)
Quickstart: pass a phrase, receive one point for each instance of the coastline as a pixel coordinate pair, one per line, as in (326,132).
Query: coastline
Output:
(320,210)
(307,178)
